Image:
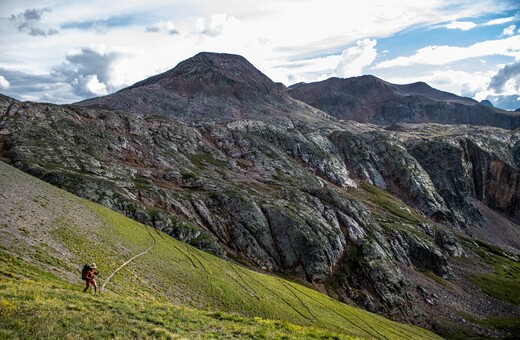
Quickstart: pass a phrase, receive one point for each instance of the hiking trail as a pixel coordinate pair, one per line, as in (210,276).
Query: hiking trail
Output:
(128,261)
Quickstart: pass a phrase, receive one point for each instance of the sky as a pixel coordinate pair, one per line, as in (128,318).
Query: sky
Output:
(64,51)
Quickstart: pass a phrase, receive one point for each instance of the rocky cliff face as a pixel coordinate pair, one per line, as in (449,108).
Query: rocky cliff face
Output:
(368,99)
(441,171)
(352,209)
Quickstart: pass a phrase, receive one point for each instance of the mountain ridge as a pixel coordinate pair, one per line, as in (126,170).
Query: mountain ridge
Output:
(368,99)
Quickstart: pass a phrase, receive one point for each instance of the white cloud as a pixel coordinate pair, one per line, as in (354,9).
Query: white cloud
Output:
(499,21)
(4,83)
(163,26)
(509,30)
(309,70)
(90,84)
(504,87)
(200,25)
(90,70)
(356,58)
(285,39)
(441,55)
(29,21)
(507,102)
(468,25)
(461,25)
(216,26)
(507,79)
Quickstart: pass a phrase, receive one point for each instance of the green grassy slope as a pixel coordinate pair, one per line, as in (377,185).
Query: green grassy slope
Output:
(36,304)
(504,282)
(47,234)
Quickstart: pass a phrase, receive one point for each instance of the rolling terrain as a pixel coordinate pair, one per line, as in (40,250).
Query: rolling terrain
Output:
(174,290)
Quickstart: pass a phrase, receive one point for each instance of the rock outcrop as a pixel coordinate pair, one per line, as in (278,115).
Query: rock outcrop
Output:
(441,172)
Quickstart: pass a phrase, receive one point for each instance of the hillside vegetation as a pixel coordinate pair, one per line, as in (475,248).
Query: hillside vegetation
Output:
(174,290)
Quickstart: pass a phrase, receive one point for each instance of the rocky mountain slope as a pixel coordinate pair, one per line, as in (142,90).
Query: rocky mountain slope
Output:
(174,290)
(368,99)
(387,218)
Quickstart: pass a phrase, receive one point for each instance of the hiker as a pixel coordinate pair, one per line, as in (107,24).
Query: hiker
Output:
(88,275)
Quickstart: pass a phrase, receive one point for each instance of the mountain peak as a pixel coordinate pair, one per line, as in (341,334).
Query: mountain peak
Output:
(487,103)
(216,59)
(231,65)
(217,56)
(206,87)
(209,71)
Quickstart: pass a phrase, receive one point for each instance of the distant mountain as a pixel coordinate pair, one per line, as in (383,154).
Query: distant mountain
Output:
(368,99)
(206,87)
(487,103)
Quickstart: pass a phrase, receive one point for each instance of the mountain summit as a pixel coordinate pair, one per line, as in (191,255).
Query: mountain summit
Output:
(214,73)
(208,86)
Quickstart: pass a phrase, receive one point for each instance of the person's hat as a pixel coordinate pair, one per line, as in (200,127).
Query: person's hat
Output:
(93,265)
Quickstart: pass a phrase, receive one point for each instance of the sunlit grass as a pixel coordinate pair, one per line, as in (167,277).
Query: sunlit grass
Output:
(30,309)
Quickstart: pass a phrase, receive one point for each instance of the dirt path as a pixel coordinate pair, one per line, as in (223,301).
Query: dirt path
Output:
(128,261)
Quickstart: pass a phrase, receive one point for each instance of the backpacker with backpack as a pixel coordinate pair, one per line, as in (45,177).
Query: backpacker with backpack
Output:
(84,272)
